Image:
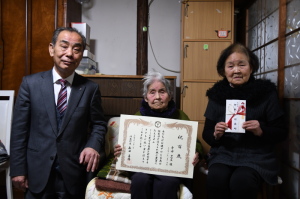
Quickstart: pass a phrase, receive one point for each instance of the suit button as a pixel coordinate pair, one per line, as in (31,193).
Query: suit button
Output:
(51,158)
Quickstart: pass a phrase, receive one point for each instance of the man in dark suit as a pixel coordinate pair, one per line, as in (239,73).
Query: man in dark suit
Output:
(58,130)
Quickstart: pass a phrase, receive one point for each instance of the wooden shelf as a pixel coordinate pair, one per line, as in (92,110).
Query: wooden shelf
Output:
(122,94)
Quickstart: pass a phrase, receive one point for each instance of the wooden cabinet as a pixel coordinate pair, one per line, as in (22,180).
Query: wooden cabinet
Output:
(200,59)
(26,31)
(203,19)
(122,94)
(195,102)
(207,29)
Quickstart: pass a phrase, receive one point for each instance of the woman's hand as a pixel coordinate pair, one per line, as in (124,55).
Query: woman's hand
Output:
(196,159)
(117,151)
(220,130)
(253,126)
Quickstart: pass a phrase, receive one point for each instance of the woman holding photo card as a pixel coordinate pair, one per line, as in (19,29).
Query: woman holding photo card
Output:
(240,161)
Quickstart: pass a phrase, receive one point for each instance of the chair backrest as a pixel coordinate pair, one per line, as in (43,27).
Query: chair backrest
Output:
(112,135)
(6,108)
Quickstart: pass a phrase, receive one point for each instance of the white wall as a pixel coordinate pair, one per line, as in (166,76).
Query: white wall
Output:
(164,31)
(113,35)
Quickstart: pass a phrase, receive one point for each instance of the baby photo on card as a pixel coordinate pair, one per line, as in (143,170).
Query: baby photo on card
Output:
(235,115)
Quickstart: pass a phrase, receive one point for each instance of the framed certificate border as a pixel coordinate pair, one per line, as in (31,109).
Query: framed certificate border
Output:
(157,145)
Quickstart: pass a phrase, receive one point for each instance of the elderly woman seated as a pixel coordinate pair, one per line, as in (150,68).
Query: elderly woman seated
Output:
(239,163)
(158,102)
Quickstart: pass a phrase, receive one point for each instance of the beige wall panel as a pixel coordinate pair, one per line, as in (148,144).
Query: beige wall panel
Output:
(206,147)
(194,101)
(202,19)
(200,63)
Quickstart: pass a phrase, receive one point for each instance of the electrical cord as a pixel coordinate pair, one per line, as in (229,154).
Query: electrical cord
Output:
(152,46)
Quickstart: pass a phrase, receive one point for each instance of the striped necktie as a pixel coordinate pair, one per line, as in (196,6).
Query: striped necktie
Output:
(62,97)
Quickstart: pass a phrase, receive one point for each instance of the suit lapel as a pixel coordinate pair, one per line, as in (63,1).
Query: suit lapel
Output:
(47,91)
(75,97)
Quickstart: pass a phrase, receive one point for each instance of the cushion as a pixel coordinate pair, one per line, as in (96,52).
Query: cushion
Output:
(102,173)
(95,189)
(112,186)
(109,171)
(118,175)
(93,193)
(112,133)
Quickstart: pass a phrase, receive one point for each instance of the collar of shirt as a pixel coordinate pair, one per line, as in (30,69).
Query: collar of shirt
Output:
(56,77)
(57,85)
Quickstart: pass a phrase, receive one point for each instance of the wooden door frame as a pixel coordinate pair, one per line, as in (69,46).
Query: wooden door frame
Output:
(142,37)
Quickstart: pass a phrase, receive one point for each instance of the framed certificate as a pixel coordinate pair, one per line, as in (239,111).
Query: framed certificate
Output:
(157,145)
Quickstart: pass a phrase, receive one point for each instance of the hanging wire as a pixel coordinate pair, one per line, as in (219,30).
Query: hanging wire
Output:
(151,43)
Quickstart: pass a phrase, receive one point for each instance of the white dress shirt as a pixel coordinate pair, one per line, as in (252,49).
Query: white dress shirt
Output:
(57,85)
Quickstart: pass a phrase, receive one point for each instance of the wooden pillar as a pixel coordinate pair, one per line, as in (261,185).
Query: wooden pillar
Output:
(281,48)
(1,47)
(142,37)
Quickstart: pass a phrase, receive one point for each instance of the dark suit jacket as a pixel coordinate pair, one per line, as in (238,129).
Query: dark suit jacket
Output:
(36,141)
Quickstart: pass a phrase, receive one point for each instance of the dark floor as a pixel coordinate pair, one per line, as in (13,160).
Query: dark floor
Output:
(16,193)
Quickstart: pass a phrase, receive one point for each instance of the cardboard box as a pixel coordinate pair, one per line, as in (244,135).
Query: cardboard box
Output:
(84,28)
(88,54)
(87,67)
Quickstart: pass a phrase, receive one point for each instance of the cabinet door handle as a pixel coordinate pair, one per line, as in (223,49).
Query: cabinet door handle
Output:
(185,50)
(183,90)
(186,9)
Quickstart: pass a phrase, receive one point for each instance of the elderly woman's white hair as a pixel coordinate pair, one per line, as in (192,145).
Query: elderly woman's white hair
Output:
(153,76)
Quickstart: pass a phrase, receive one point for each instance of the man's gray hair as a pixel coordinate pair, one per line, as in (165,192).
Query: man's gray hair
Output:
(70,29)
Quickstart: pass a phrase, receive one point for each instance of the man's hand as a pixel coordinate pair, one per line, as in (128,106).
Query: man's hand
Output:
(90,157)
(20,182)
